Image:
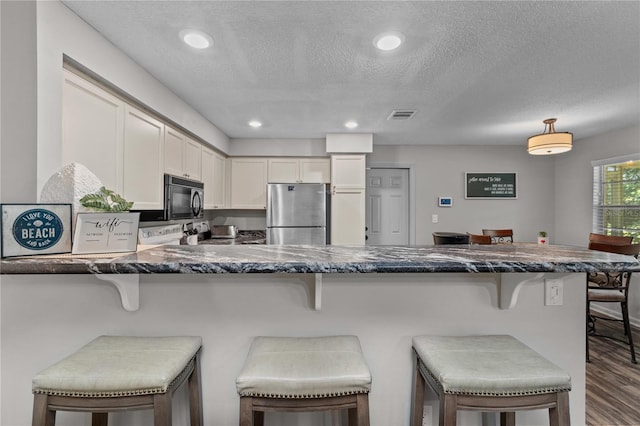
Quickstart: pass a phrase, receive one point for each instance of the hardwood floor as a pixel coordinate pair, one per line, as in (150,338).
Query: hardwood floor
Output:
(613,382)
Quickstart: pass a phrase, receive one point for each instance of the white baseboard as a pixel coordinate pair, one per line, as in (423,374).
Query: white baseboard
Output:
(615,313)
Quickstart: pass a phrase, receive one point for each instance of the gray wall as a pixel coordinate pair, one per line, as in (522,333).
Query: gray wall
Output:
(18,152)
(439,171)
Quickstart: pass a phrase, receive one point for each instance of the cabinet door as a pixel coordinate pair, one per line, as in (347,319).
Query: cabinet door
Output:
(143,160)
(315,170)
(92,123)
(283,170)
(248,183)
(192,159)
(348,217)
(348,171)
(219,181)
(173,152)
(213,177)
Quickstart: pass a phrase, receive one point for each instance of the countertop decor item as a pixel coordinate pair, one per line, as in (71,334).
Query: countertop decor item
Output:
(542,238)
(111,229)
(30,229)
(105,200)
(549,141)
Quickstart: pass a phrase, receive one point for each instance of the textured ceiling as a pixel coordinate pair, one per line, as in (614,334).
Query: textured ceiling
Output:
(476,72)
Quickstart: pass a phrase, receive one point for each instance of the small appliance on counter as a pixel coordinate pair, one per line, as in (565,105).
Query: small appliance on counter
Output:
(224,231)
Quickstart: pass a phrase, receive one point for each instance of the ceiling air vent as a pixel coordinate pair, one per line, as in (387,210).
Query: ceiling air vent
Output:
(401,114)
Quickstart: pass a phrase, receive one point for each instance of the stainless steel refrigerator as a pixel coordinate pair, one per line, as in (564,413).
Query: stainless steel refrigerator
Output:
(297,213)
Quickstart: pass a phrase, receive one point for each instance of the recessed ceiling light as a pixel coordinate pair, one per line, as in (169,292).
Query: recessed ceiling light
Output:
(196,39)
(350,124)
(388,41)
(255,124)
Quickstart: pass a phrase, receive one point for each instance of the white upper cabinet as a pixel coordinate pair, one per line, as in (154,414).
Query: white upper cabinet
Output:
(248,183)
(92,129)
(348,171)
(214,179)
(301,170)
(182,155)
(143,160)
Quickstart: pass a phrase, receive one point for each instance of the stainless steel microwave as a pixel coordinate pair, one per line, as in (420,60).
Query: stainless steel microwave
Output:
(183,198)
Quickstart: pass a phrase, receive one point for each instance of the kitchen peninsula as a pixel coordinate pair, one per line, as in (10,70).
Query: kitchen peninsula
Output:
(229,294)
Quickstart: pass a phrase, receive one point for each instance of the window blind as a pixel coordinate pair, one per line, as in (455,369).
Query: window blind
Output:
(616,198)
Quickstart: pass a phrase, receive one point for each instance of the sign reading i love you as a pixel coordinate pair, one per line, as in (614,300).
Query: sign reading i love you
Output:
(30,229)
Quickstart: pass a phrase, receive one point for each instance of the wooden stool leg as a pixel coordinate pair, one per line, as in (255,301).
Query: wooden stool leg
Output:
(362,409)
(560,415)
(418,397)
(448,410)
(42,416)
(162,410)
(195,394)
(99,419)
(508,418)
(246,411)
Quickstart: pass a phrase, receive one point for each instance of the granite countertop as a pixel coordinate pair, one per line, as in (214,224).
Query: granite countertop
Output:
(215,259)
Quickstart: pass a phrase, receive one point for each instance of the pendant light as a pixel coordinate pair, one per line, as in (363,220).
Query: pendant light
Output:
(549,141)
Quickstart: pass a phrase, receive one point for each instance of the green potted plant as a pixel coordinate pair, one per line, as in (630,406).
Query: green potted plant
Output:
(105,200)
(542,238)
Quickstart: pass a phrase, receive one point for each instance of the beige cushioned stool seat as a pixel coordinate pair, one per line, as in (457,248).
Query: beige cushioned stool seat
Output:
(291,367)
(488,365)
(121,373)
(119,366)
(304,374)
(490,374)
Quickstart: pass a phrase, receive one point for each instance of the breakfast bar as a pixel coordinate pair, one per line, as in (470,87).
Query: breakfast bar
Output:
(228,294)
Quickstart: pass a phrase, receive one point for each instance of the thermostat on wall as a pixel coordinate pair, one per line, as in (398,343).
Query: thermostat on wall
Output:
(445,201)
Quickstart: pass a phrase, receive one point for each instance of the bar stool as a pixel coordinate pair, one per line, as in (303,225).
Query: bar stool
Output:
(117,373)
(490,374)
(304,374)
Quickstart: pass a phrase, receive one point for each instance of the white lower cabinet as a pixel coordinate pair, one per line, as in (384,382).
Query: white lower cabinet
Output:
(143,163)
(214,179)
(348,216)
(248,183)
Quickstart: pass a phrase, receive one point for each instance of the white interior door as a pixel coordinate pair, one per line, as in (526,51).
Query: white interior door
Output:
(387,207)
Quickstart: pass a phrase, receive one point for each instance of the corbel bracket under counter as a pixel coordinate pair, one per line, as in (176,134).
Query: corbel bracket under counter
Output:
(510,283)
(128,286)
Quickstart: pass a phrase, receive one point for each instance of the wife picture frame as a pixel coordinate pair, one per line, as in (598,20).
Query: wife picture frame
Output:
(106,233)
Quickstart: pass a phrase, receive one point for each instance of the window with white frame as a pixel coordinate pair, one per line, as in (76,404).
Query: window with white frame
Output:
(616,196)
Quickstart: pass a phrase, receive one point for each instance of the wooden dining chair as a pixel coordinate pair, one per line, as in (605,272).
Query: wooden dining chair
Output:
(609,239)
(610,287)
(479,239)
(499,236)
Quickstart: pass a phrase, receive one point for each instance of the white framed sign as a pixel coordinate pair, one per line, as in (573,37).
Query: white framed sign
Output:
(31,229)
(106,233)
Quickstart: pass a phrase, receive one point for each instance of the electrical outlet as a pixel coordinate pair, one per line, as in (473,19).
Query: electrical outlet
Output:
(553,292)
(434,218)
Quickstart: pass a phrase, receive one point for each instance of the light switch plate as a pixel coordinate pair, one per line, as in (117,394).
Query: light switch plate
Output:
(434,218)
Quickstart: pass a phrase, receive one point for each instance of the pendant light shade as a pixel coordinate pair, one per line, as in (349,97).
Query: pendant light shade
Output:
(549,141)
